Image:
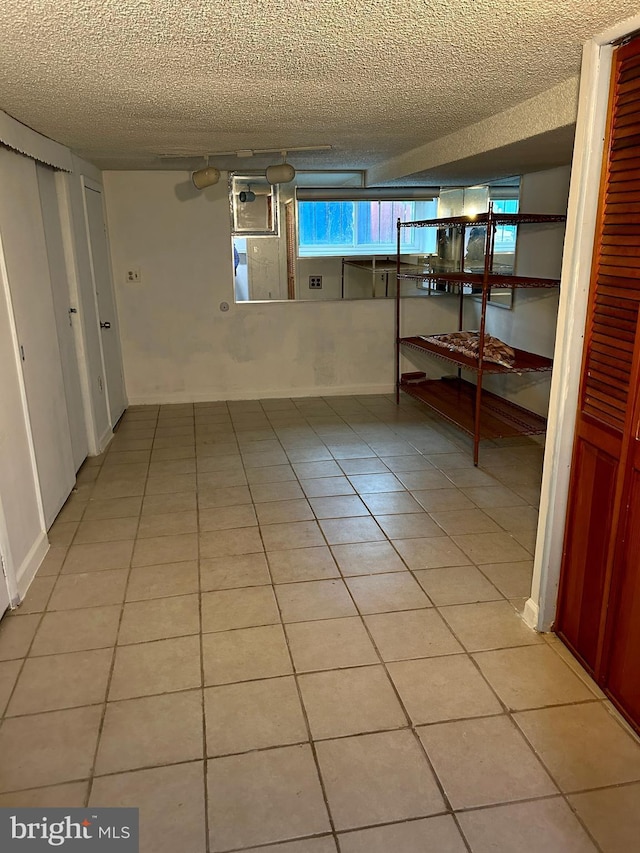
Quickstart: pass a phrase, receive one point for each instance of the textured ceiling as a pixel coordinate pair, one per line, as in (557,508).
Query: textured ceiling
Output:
(122,81)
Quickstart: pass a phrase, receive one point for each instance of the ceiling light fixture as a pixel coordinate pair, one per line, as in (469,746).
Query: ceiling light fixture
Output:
(206,177)
(280,173)
(247,195)
(277,173)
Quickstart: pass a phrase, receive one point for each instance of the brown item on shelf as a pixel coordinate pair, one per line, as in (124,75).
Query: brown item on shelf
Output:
(413,378)
(468,343)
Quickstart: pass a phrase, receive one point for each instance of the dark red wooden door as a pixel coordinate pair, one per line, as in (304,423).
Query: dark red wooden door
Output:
(621,653)
(600,581)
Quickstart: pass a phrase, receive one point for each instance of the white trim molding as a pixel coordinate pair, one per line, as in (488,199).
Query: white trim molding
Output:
(540,609)
(260,394)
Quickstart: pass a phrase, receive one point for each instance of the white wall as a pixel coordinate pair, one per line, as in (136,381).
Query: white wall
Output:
(267,268)
(329,269)
(177,343)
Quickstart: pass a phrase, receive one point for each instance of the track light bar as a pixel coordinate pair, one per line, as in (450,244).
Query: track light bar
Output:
(278,173)
(251,152)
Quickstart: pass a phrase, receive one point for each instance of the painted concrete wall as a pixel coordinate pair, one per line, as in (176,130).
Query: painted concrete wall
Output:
(177,343)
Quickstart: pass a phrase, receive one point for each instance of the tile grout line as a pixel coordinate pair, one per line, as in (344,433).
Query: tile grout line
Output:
(445,799)
(205,757)
(113,656)
(41,614)
(343,577)
(412,726)
(303,709)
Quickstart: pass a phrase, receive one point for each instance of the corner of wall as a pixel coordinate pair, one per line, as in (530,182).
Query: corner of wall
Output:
(26,571)
(531,614)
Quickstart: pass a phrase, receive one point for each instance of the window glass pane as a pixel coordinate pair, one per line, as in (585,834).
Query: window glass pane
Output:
(339,228)
(326,223)
(505,239)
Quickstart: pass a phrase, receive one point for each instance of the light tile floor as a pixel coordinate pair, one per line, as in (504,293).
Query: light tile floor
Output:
(293,626)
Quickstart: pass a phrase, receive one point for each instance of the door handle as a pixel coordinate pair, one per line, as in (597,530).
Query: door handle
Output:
(105,325)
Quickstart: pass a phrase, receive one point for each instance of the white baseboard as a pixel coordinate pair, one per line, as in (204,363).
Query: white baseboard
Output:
(26,572)
(213,396)
(104,440)
(531,614)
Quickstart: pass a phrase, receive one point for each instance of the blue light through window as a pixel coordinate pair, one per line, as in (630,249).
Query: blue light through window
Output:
(337,228)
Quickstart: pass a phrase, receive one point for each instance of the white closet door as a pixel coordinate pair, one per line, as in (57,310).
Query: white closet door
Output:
(21,519)
(30,286)
(110,334)
(65,317)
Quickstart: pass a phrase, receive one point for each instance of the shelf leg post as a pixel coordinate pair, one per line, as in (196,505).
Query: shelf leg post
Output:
(488,263)
(397,317)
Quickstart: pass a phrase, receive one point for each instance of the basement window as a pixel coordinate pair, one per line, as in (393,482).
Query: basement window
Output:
(338,228)
(505,239)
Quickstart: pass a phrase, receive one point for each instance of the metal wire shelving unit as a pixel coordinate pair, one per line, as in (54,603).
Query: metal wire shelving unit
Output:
(480,413)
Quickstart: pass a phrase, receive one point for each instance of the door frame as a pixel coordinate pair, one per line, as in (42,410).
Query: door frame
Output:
(593,102)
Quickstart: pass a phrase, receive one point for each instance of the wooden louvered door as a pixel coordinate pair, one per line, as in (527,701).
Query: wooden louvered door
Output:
(600,581)
(621,651)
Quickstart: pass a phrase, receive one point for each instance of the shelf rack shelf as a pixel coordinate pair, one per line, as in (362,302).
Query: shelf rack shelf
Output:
(480,413)
(476,280)
(454,399)
(489,218)
(373,265)
(525,362)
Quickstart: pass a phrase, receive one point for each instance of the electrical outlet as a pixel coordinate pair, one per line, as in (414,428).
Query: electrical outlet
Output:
(315,282)
(134,276)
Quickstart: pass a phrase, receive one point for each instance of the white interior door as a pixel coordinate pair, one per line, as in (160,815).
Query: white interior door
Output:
(32,302)
(65,313)
(22,528)
(267,268)
(110,334)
